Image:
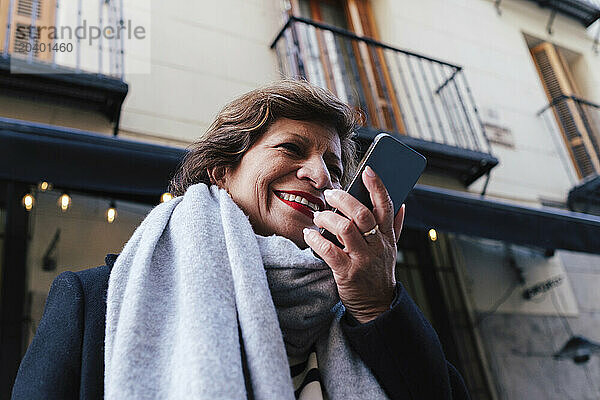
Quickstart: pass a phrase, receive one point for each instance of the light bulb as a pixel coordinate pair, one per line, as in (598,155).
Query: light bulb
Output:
(28,201)
(43,186)
(64,202)
(111,213)
(432,235)
(166,197)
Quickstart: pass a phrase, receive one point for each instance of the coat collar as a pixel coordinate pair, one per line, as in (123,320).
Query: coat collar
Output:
(109,260)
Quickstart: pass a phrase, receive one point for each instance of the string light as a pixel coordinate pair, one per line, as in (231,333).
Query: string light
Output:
(28,201)
(166,197)
(111,213)
(432,235)
(44,186)
(64,202)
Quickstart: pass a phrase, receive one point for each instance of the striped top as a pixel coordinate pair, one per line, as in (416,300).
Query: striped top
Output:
(306,377)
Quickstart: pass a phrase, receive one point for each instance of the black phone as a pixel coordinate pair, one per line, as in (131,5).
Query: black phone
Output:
(398,166)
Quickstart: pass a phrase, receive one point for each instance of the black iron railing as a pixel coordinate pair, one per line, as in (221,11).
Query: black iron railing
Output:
(400,91)
(577,122)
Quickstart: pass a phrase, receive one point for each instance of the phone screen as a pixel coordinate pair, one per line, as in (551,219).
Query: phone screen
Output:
(398,166)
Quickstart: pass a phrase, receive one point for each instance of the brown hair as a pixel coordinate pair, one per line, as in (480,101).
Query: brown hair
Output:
(241,123)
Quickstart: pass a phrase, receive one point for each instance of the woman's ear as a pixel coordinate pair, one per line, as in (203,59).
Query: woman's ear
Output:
(217,176)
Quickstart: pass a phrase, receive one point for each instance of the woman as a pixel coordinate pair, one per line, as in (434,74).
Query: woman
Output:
(218,295)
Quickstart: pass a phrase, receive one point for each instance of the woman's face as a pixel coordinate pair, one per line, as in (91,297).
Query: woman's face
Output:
(280,180)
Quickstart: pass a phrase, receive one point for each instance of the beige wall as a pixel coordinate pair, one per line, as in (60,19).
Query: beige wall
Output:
(203,54)
(46,113)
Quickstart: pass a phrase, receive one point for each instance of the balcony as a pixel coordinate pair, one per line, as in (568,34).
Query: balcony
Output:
(425,102)
(46,53)
(577,122)
(586,12)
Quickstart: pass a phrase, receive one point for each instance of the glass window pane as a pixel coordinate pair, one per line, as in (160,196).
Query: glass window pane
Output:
(72,240)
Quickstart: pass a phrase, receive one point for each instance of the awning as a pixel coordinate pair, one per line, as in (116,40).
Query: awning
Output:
(82,161)
(119,168)
(459,212)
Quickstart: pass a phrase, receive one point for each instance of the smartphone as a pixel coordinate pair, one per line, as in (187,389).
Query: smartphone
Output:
(398,166)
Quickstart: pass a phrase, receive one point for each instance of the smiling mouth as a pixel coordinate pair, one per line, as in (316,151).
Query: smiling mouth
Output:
(299,202)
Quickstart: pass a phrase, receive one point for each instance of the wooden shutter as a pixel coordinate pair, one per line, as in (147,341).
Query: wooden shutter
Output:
(3,22)
(363,24)
(21,21)
(558,81)
(381,101)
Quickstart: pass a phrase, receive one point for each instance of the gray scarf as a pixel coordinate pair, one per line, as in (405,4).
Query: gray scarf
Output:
(191,277)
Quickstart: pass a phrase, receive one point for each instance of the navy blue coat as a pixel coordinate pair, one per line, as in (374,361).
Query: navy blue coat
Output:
(66,357)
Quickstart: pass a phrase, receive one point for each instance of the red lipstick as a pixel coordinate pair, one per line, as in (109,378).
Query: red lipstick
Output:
(307,196)
(304,209)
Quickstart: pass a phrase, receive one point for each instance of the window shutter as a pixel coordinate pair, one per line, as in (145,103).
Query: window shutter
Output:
(21,21)
(361,19)
(374,79)
(557,82)
(3,22)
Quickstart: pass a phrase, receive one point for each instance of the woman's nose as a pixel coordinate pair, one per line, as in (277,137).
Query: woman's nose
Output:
(316,170)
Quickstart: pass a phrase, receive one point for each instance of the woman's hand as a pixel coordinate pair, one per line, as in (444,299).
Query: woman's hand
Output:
(364,270)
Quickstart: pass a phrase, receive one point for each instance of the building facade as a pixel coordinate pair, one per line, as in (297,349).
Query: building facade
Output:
(500,248)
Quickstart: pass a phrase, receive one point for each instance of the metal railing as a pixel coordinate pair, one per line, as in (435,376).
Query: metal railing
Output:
(58,33)
(400,91)
(574,124)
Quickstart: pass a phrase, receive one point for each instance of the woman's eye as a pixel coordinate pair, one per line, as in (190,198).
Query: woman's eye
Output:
(291,147)
(337,173)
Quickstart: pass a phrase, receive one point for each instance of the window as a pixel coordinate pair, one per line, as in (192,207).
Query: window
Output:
(336,58)
(21,20)
(574,118)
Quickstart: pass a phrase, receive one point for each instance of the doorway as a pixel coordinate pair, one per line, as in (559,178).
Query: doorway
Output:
(427,270)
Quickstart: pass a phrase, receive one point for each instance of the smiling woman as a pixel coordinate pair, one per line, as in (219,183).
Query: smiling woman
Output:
(218,295)
(287,137)
(281,164)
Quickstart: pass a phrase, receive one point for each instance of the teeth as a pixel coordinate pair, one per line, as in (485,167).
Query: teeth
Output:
(299,199)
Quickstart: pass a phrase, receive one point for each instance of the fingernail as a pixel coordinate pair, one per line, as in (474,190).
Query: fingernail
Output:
(315,213)
(330,193)
(306,231)
(369,171)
